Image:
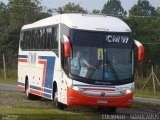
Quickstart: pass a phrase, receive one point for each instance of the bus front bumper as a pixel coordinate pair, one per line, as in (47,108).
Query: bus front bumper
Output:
(77,98)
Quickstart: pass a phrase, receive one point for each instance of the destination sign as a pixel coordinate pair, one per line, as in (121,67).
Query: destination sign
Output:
(118,40)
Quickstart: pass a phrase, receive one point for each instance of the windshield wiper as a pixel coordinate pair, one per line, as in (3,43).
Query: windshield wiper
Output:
(97,66)
(113,70)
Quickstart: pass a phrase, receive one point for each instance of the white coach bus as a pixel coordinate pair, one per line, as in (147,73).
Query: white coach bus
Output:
(78,59)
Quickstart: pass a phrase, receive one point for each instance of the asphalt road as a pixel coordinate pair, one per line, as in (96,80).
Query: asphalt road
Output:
(129,113)
(8,87)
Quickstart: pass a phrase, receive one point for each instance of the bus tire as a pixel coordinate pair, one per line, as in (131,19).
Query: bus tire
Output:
(29,95)
(107,109)
(56,103)
(59,105)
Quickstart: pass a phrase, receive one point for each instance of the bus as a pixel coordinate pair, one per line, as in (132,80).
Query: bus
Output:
(78,59)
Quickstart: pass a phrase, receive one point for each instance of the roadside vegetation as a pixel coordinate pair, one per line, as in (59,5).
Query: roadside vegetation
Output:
(148,91)
(11,75)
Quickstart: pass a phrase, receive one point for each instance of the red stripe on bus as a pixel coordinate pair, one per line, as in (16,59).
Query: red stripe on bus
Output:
(21,88)
(22,60)
(44,74)
(35,92)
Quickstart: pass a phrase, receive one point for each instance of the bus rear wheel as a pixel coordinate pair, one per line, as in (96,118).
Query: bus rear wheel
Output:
(28,94)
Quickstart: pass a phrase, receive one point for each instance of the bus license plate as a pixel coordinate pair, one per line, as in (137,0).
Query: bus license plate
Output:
(102,101)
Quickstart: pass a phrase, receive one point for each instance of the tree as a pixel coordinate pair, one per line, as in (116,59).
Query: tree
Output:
(25,12)
(3,17)
(158,11)
(2,7)
(136,11)
(16,14)
(143,7)
(113,7)
(71,8)
(96,11)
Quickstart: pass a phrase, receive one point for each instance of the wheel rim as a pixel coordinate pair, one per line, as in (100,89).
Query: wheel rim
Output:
(56,96)
(27,90)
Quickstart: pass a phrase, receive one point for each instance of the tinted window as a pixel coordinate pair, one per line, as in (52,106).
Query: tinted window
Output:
(40,39)
(101,56)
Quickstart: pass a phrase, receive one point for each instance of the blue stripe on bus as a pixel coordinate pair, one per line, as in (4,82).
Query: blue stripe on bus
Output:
(38,88)
(47,95)
(22,84)
(94,86)
(47,91)
(34,87)
(22,56)
(49,70)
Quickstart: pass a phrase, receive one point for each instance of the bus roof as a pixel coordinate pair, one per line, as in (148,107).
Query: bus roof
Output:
(83,21)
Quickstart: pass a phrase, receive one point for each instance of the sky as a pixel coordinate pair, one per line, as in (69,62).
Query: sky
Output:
(91,4)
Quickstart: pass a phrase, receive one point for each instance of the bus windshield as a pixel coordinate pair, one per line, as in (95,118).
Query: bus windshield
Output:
(101,55)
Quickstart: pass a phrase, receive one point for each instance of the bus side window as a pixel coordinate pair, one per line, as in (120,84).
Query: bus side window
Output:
(45,39)
(48,37)
(29,40)
(41,38)
(33,40)
(51,39)
(36,40)
(26,39)
(54,40)
(54,37)
(22,40)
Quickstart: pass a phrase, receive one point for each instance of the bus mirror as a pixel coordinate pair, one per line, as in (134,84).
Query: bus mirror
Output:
(140,50)
(66,46)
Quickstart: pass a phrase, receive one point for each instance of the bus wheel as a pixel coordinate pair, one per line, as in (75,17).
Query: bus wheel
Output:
(28,94)
(107,109)
(57,104)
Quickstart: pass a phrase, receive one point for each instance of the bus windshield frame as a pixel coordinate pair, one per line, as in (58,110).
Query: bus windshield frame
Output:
(101,57)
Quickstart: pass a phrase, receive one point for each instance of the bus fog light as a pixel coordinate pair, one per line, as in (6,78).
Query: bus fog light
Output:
(128,91)
(71,98)
(130,100)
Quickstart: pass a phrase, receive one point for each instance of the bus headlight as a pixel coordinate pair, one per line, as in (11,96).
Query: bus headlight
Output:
(78,89)
(128,91)
(125,90)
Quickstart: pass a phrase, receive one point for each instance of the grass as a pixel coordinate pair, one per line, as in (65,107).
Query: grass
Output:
(147,94)
(11,75)
(142,105)
(15,103)
(148,91)
(8,81)
(48,114)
